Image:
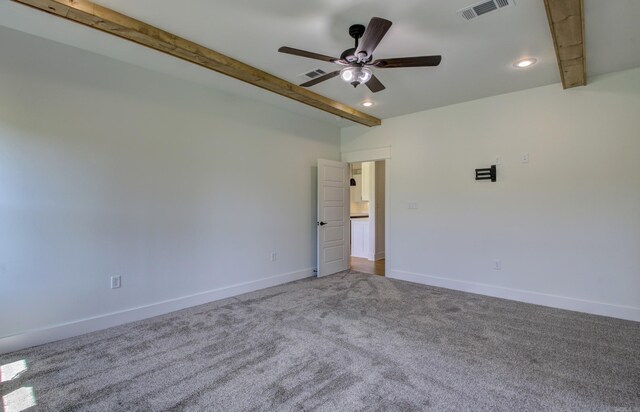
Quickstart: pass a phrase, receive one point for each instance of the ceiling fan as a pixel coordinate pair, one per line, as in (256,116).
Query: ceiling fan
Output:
(358,61)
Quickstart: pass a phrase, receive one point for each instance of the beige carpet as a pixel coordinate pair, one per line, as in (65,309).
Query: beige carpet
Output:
(346,342)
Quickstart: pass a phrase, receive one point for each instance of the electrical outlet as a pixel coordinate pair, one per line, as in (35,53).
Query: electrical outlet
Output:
(274,256)
(116,282)
(412,205)
(524,158)
(497,160)
(497,265)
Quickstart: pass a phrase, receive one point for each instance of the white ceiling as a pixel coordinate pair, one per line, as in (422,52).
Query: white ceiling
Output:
(477,55)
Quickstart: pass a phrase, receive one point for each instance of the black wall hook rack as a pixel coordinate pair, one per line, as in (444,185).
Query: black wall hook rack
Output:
(486,174)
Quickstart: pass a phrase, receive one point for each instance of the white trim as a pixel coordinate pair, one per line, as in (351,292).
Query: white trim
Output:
(388,261)
(92,324)
(367,155)
(373,214)
(554,301)
(379,256)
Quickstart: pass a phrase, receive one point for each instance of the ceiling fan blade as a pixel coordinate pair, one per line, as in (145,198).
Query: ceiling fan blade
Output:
(374,85)
(320,79)
(418,61)
(308,54)
(374,32)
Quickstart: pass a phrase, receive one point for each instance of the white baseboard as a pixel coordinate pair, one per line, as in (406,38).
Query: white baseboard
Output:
(554,301)
(82,326)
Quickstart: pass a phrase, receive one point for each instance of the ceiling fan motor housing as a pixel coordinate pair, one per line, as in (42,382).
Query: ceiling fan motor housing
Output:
(349,55)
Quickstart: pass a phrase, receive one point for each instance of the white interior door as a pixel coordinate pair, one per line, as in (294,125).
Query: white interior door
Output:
(333,217)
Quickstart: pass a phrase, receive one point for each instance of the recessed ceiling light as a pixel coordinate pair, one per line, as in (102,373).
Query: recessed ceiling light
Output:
(367,103)
(521,64)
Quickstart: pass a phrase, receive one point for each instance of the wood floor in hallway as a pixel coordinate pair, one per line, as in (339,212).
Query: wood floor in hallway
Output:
(367,266)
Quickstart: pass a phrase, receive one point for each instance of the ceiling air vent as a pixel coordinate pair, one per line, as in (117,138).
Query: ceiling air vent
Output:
(484,7)
(313,74)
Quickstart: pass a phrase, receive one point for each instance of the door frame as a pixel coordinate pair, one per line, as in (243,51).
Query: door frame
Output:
(373,155)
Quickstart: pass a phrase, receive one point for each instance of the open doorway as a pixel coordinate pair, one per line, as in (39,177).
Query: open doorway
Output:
(367,213)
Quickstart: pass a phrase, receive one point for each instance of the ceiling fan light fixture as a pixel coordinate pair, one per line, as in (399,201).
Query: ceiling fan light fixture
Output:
(347,74)
(364,75)
(359,75)
(521,64)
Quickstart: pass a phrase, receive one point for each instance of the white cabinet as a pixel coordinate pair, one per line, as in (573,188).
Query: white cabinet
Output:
(356,191)
(360,238)
(366,180)
(361,191)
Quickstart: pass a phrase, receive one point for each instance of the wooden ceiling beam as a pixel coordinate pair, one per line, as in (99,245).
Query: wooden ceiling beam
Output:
(109,21)
(566,21)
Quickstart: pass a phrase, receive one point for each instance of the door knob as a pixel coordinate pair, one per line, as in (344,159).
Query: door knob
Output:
(322,223)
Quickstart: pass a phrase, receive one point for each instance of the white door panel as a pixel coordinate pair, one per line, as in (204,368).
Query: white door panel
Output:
(333,217)
(333,213)
(332,174)
(333,254)
(333,234)
(333,194)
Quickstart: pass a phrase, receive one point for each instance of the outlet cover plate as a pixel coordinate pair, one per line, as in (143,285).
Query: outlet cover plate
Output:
(116,282)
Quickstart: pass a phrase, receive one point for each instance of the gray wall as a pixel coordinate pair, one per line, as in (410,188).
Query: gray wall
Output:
(565,225)
(110,169)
